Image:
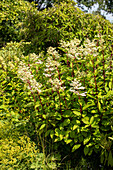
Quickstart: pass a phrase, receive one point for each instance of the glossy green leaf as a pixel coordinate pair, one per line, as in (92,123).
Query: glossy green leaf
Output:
(75,127)
(76,113)
(92,120)
(110,159)
(42,126)
(86,120)
(75,147)
(68,141)
(86,150)
(86,140)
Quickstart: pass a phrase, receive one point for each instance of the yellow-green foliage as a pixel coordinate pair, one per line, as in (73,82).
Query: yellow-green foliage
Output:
(62,21)
(12,14)
(17,153)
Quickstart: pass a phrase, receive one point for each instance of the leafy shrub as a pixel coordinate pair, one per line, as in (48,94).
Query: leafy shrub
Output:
(66,98)
(12,14)
(10,56)
(62,21)
(17,153)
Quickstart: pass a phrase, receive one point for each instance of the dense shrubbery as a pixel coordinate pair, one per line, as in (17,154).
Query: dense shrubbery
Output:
(12,14)
(19,153)
(66,97)
(61,99)
(64,21)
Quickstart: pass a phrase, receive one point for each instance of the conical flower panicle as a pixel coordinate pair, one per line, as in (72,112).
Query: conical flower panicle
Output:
(76,87)
(25,75)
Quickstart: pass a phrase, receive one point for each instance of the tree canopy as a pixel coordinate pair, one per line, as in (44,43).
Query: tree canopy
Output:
(106,5)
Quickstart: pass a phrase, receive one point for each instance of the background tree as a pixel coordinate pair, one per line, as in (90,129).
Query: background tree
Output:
(106,5)
(65,21)
(12,14)
(42,4)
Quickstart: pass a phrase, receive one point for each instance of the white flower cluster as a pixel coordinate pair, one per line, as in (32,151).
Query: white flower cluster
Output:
(25,75)
(90,48)
(35,58)
(48,75)
(52,51)
(73,43)
(76,86)
(57,84)
(75,51)
(72,48)
(51,65)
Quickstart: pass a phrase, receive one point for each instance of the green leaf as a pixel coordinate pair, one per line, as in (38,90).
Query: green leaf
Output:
(72,134)
(88,105)
(52,134)
(37,104)
(42,126)
(86,150)
(47,133)
(86,120)
(69,78)
(66,122)
(91,120)
(86,140)
(81,138)
(110,159)
(76,113)
(102,157)
(61,136)
(75,147)
(106,89)
(56,140)
(99,105)
(68,141)
(4,107)
(110,138)
(67,113)
(75,127)
(110,84)
(29,104)
(93,111)
(57,132)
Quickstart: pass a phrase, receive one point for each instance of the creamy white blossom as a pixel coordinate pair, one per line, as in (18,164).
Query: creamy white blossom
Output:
(48,75)
(52,51)
(49,69)
(24,73)
(76,86)
(57,84)
(50,62)
(35,59)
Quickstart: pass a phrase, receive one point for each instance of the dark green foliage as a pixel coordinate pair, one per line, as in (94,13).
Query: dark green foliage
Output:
(64,21)
(12,14)
(42,4)
(103,5)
